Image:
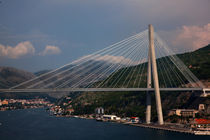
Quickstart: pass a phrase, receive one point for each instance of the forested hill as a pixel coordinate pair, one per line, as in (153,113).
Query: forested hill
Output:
(126,103)
(133,103)
(198,62)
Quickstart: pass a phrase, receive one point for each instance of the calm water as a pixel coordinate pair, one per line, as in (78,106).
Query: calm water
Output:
(36,124)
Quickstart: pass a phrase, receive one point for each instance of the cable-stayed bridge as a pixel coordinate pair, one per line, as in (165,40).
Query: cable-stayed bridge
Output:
(142,62)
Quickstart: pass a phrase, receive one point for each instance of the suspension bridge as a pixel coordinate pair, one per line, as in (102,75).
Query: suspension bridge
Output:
(142,62)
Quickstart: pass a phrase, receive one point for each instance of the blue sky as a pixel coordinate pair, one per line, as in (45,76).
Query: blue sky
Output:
(45,34)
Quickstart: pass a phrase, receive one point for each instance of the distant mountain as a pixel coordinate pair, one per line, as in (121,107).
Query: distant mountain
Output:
(120,102)
(41,72)
(11,76)
(74,73)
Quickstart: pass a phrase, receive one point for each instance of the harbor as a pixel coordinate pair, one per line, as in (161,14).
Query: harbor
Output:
(134,121)
(38,124)
(193,126)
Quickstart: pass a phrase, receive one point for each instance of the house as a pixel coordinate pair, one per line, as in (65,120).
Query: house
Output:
(70,110)
(4,102)
(134,119)
(174,112)
(188,112)
(183,112)
(201,107)
(201,123)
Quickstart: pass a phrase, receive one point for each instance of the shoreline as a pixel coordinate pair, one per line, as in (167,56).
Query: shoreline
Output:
(165,127)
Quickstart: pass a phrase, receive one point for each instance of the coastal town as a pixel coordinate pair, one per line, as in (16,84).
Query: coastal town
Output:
(13,104)
(187,123)
(193,121)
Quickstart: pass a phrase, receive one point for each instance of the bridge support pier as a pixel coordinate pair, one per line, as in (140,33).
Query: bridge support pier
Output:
(148,110)
(149,85)
(155,75)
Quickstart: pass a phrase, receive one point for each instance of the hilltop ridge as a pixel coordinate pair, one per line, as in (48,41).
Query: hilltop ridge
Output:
(133,103)
(10,76)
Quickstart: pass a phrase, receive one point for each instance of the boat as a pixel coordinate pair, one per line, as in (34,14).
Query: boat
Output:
(99,119)
(202,132)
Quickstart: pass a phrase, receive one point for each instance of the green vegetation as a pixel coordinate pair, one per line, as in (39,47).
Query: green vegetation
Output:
(123,103)
(133,103)
(198,62)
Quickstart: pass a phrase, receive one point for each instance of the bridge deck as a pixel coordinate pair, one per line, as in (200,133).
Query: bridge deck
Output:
(98,89)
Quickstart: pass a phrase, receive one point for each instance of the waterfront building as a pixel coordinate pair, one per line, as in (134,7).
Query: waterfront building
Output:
(174,112)
(70,110)
(99,111)
(111,117)
(201,107)
(188,112)
(5,102)
(201,123)
(183,112)
(134,119)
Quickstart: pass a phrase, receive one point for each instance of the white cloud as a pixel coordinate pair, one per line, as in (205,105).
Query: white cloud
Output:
(114,59)
(21,49)
(188,38)
(50,50)
(110,59)
(194,37)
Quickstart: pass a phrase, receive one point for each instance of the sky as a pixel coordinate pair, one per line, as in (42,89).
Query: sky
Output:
(46,34)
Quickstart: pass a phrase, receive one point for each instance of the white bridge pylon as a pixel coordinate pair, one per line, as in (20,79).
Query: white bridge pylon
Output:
(142,62)
(152,72)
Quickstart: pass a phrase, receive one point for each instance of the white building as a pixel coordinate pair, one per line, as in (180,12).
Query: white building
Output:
(183,112)
(111,117)
(201,107)
(99,111)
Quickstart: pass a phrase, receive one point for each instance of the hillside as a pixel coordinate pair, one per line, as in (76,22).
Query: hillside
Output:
(41,72)
(198,62)
(11,76)
(133,103)
(122,103)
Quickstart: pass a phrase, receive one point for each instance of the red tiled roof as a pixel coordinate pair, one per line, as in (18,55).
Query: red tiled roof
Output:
(202,121)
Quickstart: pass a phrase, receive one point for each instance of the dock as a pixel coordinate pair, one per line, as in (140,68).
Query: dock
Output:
(164,127)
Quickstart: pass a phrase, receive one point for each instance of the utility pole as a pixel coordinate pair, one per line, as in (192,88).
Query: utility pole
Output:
(155,75)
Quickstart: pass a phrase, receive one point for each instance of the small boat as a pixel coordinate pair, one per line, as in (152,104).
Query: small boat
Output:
(202,132)
(99,119)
